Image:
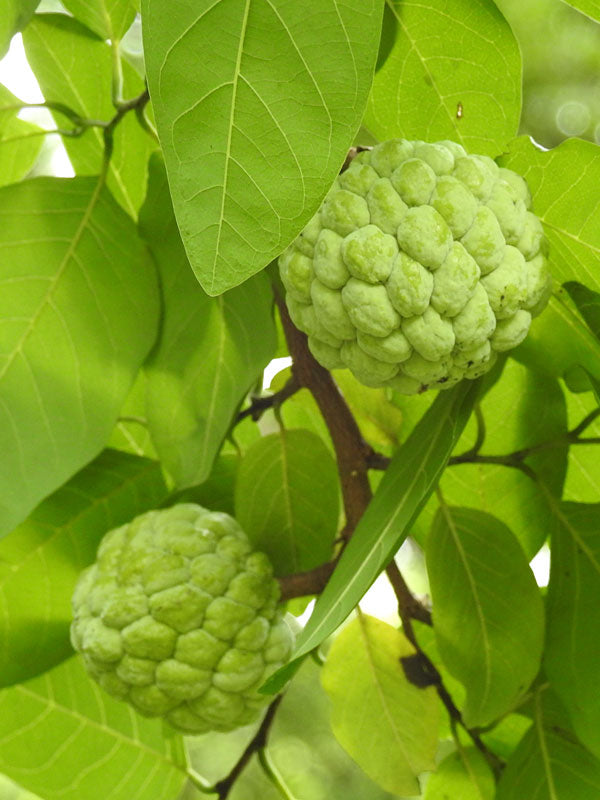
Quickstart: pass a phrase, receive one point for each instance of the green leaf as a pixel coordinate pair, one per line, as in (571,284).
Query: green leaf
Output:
(287,499)
(590,8)
(464,774)
(253,143)
(523,409)
(379,420)
(582,483)
(588,304)
(41,559)
(217,491)
(131,432)
(65,740)
(454,73)
(20,141)
(210,352)
(405,487)
(387,724)
(108,18)
(487,609)
(15,16)
(563,183)
(573,640)
(80,308)
(74,67)
(550,764)
(560,345)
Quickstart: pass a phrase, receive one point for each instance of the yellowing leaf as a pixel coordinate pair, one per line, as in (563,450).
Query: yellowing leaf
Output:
(387,724)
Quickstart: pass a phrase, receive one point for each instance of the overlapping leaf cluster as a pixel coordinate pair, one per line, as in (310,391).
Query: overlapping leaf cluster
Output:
(137,316)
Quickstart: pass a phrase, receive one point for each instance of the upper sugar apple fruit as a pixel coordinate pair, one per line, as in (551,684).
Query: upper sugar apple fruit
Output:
(179,617)
(422,263)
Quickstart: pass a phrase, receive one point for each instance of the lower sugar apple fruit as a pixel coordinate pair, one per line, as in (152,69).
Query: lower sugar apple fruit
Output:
(179,617)
(421,265)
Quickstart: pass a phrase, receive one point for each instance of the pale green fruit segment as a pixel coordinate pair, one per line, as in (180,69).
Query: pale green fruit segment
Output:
(179,617)
(421,265)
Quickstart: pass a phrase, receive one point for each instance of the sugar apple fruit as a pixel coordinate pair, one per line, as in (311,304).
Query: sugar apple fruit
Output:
(421,265)
(179,617)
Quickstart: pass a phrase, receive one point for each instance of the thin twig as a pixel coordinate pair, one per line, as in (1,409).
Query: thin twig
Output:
(259,405)
(258,742)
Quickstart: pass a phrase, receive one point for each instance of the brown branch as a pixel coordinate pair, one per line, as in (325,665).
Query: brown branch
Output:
(258,742)
(409,607)
(300,584)
(351,450)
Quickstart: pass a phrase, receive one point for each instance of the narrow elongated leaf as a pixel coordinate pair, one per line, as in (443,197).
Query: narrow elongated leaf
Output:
(63,738)
(464,774)
(588,304)
(41,559)
(572,652)
(108,18)
(287,499)
(563,183)
(253,142)
(15,15)
(79,310)
(406,485)
(210,352)
(20,141)
(456,68)
(550,764)
(74,67)
(488,612)
(387,724)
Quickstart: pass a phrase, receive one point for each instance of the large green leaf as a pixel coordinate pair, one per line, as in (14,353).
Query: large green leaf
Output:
(131,432)
(588,304)
(406,485)
(20,141)
(108,18)
(387,724)
(523,409)
(550,764)
(256,103)
(560,345)
(287,499)
(210,352)
(582,483)
(65,740)
(563,183)
(41,559)
(74,67)
(454,73)
(590,8)
(573,641)
(79,308)
(15,15)
(464,774)
(487,609)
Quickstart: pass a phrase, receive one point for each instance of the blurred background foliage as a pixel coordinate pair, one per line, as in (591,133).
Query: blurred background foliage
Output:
(561,70)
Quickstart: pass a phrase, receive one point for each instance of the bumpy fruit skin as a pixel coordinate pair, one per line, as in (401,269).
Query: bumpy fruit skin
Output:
(421,265)
(179,617)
